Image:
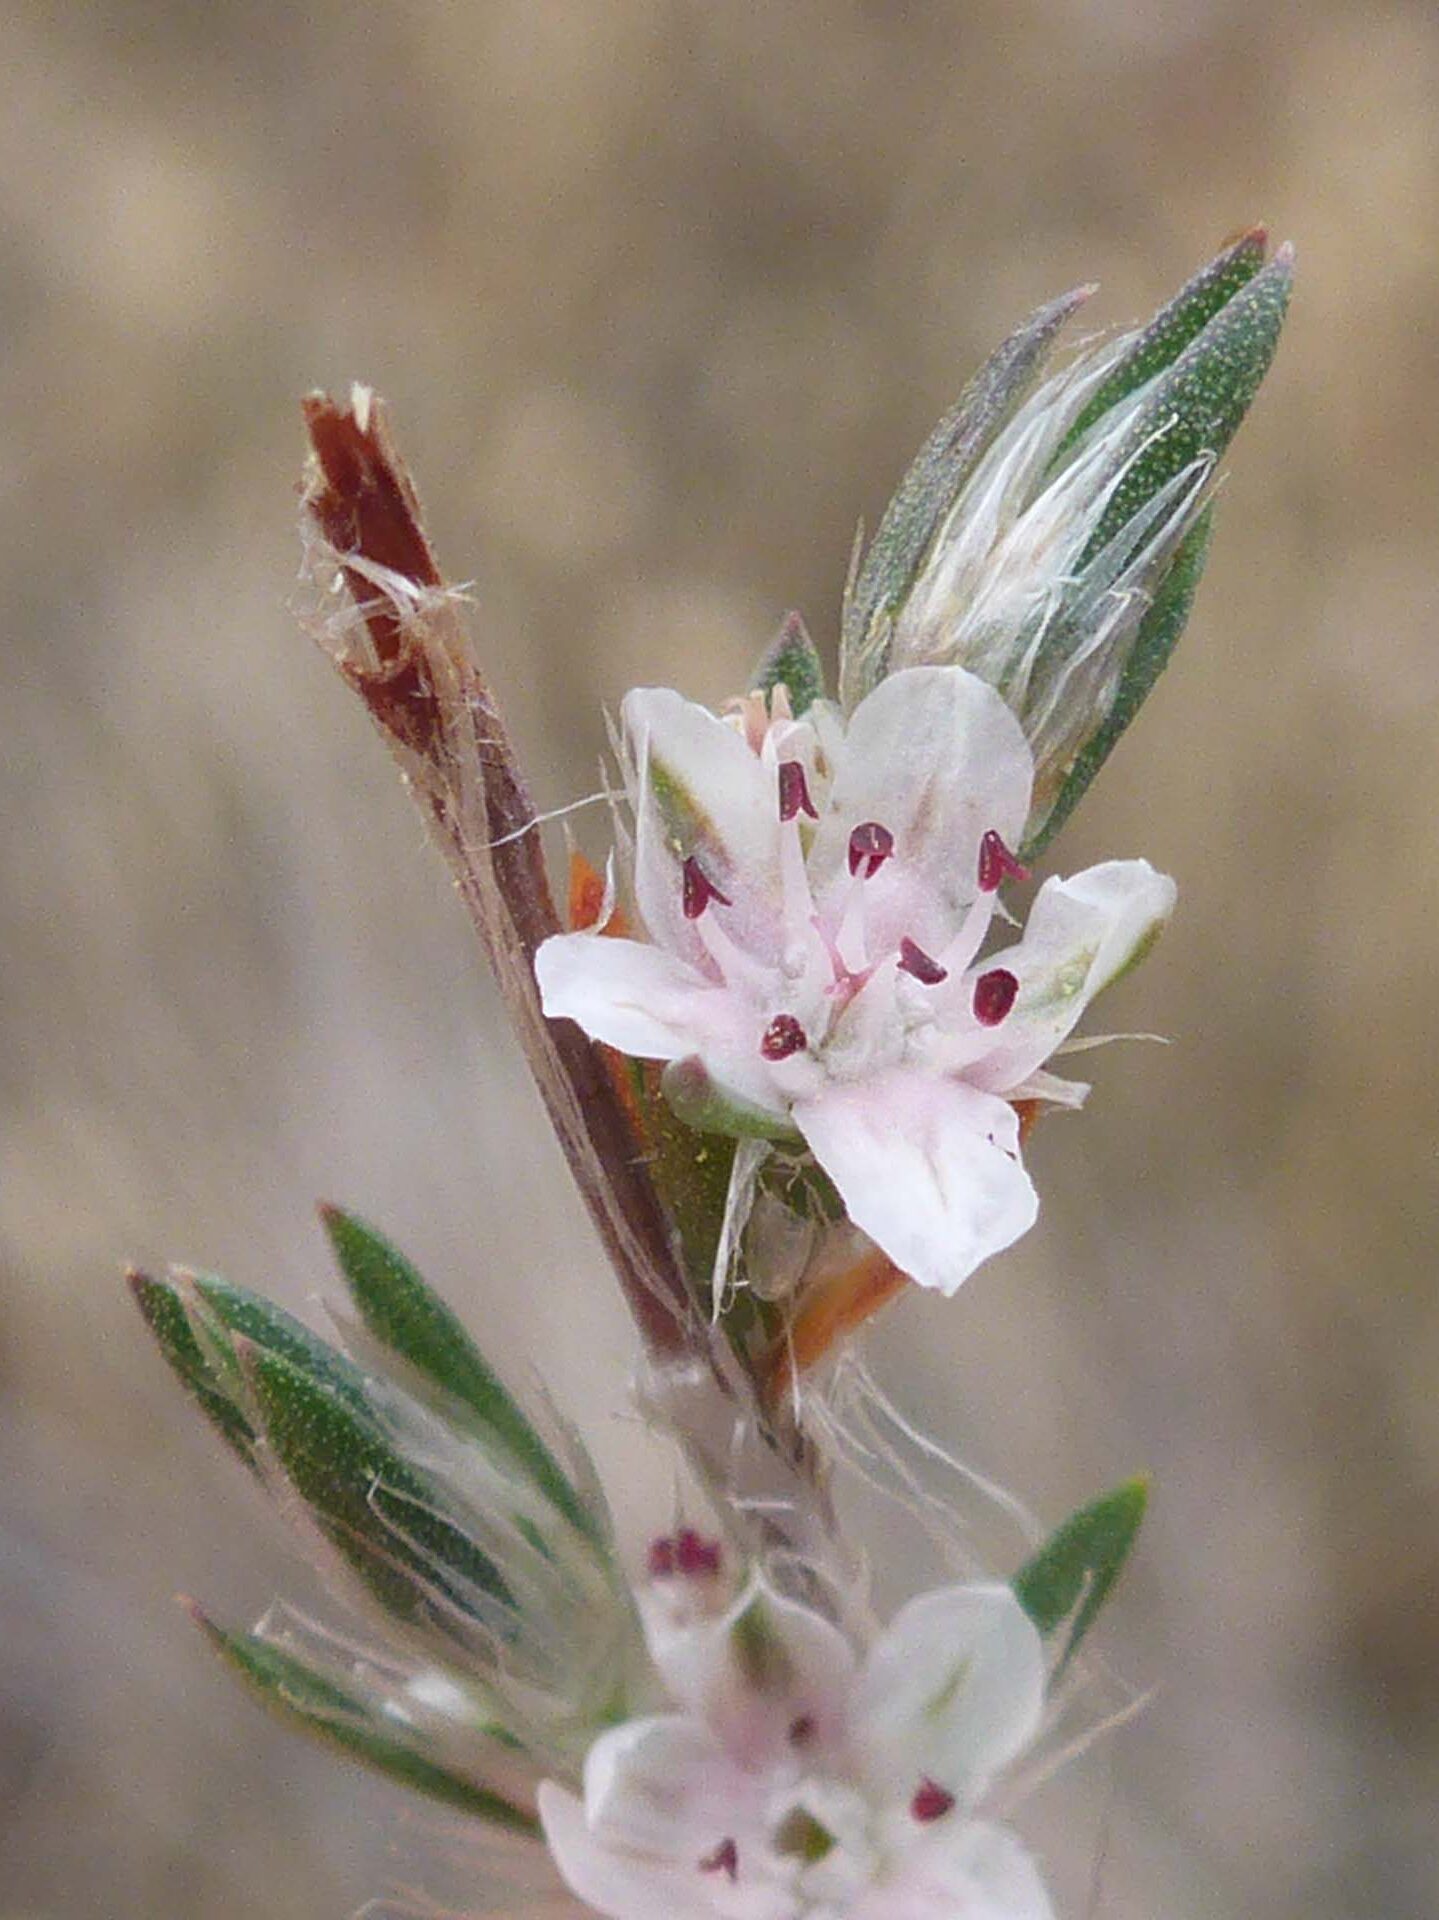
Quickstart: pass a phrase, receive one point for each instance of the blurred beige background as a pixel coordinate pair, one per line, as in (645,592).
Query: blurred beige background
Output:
(663,295)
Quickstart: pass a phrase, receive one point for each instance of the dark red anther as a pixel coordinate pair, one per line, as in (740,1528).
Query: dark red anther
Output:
(997,864)
(931,1801)
(782,1037)
(694,1555)
(802,1730)
(994,995)
(686,1553)
(699,890)
(794,791)
(724,1859)
(870,845)
(913,959)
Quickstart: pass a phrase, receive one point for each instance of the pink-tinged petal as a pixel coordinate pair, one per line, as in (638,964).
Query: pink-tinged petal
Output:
(951,1692)
(935,756)
(770,1676)
(1080,936)
(962,1870)
(928,1167)
(666,1787)
(703,794)
(610,1878)
(636,998)
(669,1829)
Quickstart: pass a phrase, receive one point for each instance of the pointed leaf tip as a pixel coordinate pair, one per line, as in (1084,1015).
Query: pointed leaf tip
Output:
(239,1318)
(163,1307)
(335,1710)
(792,661)
(1071,1575)
(1178,322)
(383,1513)
(405,1315)
(1194,406)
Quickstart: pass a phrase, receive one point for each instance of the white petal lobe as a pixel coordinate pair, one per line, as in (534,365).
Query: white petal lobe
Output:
(928,1167)
(755,1670)
(936,756)
(636,998)
(1081,935)
(610,1879)
(973,1871)
(705,793)
(952,1692)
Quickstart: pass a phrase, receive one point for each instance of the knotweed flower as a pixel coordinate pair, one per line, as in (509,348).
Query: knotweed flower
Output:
(814,889)
(795,1779)
(817,897)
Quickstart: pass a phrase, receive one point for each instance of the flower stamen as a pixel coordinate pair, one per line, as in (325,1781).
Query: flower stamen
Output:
(686,1553)
(931,1801)
(915,961)
(870,845)
(782,1037)
(694,1555)
(794,791)
(699,890)
(724,1859)
(997,864)
(994,995)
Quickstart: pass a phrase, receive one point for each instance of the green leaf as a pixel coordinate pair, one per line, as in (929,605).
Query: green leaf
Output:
(1172,329)
(792,661)
(403,1313)
(164,1311)
(229,1313)
(377,1510)
(1195,408)
(1074,1570)
(1155,641)
(314,1702)
(932,485)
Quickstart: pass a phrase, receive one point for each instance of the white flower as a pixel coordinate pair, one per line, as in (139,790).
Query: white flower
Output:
(797,1783)
(816,898)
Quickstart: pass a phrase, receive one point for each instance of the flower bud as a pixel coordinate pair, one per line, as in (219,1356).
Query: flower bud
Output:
(1051,541)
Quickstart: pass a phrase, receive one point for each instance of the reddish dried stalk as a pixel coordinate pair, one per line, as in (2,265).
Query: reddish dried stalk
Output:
(408,660)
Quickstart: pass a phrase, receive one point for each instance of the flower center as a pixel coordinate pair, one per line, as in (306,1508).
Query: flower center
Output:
(852,963)
(803,1837)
